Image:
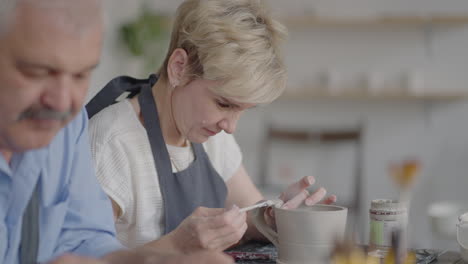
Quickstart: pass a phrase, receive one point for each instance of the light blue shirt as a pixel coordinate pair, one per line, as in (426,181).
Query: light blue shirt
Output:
(75,214)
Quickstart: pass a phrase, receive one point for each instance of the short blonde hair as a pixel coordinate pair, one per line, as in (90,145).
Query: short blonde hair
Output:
(236,42)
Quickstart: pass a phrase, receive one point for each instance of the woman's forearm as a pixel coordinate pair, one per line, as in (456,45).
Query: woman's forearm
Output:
(164,244)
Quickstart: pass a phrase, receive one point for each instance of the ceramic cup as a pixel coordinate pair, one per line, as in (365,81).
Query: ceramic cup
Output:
(306,234)
(444,217)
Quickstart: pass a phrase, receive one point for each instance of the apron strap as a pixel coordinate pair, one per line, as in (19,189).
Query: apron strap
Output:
(162,161)
(117,89)
(29,246)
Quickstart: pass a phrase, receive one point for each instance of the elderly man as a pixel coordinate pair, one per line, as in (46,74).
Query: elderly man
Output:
(51,206)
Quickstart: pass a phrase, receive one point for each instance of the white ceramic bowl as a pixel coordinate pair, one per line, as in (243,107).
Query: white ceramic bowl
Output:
(464,253)
(444,217)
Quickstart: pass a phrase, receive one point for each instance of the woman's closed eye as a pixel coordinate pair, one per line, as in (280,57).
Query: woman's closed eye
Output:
(224,105)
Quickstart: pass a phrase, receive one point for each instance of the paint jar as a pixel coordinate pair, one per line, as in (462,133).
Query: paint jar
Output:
(385,217)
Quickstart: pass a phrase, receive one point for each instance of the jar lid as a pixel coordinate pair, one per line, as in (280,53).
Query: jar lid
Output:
(387,205)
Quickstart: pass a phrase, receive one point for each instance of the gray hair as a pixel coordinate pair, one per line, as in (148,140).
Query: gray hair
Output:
(7,8)
(78,13)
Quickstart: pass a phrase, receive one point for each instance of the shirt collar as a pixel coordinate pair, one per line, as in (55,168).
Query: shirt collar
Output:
(4,166)
(32,160)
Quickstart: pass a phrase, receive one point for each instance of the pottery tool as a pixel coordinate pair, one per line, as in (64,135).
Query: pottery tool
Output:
(275,202)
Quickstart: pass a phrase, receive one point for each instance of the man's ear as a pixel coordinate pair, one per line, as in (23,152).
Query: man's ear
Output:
(176,68)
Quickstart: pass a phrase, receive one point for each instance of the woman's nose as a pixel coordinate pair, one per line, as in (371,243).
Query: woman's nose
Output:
(229,124)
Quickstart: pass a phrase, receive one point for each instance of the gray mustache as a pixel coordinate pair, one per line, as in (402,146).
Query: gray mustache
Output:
(45,114)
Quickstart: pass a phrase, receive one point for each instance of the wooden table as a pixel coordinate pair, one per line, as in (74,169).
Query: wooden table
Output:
(447,258)
(450,257)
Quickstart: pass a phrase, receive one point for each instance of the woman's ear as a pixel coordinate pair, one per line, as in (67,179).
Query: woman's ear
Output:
(176,67)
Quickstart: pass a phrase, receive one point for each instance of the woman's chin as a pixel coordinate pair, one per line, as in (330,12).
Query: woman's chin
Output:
(200,139)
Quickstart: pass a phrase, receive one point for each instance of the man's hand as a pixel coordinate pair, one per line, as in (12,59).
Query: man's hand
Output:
(72,259)
(149,257)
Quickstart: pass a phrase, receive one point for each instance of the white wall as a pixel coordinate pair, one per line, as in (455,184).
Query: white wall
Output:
(436,133)
(116,60)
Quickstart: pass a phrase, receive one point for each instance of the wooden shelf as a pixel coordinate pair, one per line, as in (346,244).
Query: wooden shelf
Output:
(307,21)
(331,136)
(375,97)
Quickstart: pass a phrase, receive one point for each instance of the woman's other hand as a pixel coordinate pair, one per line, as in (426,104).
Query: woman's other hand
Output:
(296,194)
(209,228)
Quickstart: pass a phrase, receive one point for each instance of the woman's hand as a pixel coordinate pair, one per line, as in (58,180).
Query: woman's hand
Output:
(296,194)
(209,228)
(200,257)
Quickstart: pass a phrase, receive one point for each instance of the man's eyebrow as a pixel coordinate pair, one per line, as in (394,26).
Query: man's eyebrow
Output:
(49,67)
(22,63)
(91,68)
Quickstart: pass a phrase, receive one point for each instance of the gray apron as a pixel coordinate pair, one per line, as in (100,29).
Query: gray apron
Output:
(182,192)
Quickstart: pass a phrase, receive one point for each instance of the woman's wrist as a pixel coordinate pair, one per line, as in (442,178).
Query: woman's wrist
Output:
(166,244)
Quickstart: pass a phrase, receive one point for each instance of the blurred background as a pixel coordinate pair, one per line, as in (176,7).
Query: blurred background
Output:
(370,83)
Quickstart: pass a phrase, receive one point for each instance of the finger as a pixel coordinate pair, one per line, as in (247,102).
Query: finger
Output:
(316,197)
(296,200)
(206,212)
(232,223)
(205,257)
(270,211)
(210,257)
(227,218)
(222,242)
(208,227)
(228,240)
(233,219)
(297,187)
(330,200)
(270,219)
(228,234)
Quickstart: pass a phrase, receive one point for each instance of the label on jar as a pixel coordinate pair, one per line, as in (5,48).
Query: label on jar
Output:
(381,232)
(385,217)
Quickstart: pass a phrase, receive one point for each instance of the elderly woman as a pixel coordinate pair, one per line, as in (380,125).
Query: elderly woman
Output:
(166,155)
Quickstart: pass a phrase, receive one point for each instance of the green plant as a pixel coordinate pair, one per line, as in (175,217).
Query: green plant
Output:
(147,37)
